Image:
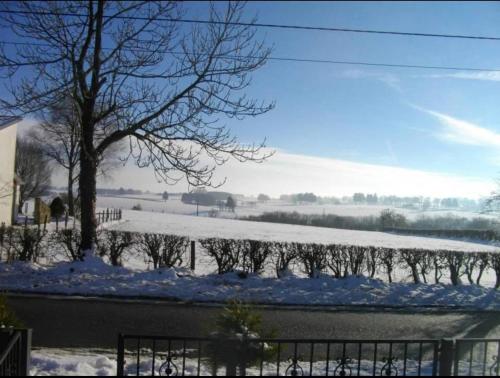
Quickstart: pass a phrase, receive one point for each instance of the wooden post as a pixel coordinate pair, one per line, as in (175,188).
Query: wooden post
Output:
(57,224)
(193,255)
(45,224)
(66,221)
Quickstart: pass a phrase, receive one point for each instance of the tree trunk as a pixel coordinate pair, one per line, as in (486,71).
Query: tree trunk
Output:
(88,175)
(20,206)
(71,198)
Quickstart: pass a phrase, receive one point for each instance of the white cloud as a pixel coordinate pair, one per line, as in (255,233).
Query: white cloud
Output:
(292,173)
(463,132)
(388,79)
(479,75)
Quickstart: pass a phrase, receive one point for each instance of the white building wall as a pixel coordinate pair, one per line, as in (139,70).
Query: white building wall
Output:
(7,167)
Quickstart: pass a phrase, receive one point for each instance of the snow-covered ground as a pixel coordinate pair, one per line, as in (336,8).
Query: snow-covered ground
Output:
(99,279)
(203,227)
(154,203)
(137,280)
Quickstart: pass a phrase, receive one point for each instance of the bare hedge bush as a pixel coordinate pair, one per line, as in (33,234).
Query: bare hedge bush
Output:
(113,244)
(225,252)
(164,251)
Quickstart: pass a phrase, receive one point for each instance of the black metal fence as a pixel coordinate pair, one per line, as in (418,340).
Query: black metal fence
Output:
(15,347)
(475,357)
(109,215)
(174,356)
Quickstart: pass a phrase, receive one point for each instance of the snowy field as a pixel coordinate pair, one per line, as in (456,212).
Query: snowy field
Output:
(204,227)
(247,207)
(136,279)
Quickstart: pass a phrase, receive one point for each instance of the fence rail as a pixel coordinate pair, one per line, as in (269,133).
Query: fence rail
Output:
(183,356)
(15,346)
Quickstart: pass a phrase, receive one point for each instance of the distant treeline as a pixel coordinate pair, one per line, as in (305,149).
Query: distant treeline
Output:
(450,226)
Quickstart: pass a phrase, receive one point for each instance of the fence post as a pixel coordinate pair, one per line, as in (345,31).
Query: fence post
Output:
(193,255)
(25,357)
(120,360)
(446,357)
(57,223)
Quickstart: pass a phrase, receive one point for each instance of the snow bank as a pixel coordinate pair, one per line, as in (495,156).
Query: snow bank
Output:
(290,290)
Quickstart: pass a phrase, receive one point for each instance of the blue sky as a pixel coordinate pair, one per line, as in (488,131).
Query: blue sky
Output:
(443,123)
(377,115)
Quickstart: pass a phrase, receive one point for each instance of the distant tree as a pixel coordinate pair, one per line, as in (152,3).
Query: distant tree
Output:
(358,198)
(57,208)
(263,198)
(231,203)
(372,199)
(164,196)
(426,204)
(390,219)
(33,168)
(304,197)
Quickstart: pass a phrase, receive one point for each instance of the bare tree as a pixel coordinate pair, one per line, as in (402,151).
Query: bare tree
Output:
(59,134)
(163,84)
(33,168)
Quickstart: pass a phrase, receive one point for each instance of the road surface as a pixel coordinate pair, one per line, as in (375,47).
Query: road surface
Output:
(92,322)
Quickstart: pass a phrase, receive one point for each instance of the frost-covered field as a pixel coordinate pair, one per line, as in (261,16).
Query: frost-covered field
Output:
(135,279)
(203,227)
(154,203)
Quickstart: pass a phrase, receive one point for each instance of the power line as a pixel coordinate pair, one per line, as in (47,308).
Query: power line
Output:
(273,26)
(297,60)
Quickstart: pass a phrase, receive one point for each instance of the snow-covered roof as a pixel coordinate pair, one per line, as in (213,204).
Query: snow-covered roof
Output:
(6,121)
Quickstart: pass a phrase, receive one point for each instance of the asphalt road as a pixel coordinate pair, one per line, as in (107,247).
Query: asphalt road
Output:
(92,322)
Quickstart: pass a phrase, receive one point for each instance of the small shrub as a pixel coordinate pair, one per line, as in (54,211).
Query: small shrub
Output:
(164,250)
(284,256)
(137,207)
(57,208)
(455,263)
(255,254)
(7,317)
(336,260)
(388,259)
(236,327)
(26,243)
(225,252)
(313,258)
(174,250)
(412,259)
(113,244)
(70,240)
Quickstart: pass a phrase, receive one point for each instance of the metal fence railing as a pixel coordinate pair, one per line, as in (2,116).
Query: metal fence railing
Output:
(15,347)
(477,357)
(182,356)
(174,356)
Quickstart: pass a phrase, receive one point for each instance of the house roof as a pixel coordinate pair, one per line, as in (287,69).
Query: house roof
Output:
(6,121)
